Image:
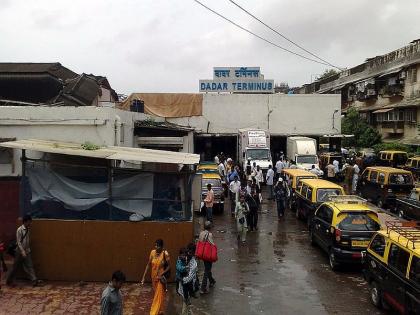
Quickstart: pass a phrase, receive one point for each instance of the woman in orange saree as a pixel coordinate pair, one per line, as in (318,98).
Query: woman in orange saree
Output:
(159,264)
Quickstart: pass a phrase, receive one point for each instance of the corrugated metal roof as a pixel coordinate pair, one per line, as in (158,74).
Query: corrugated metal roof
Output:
(110,153)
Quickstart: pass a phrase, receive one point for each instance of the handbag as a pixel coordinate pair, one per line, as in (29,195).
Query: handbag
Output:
(206,251)
(11,248)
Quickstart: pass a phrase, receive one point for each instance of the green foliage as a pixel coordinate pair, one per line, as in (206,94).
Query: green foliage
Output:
(364,135)
(90,146)
(394,146)
(327,73)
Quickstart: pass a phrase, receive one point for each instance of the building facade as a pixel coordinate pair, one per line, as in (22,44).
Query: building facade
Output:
(384,89)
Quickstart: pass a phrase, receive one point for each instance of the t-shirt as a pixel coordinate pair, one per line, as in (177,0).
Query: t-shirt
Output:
(330,170)
(279,166)
(270,176)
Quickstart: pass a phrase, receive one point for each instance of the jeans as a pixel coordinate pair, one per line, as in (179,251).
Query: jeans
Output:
(207,275)
(26,262)
(209,214)
(280,207)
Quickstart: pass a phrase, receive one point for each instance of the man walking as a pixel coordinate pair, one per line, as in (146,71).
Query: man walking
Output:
(234,188)
(241,211)
(204,236)
(281,195)
(279,168)
(209,201)
(23,253)
(269,178)
(111,300)
(356,171)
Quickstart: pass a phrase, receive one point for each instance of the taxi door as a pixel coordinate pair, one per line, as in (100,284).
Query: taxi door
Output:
(322,226)
(395,281)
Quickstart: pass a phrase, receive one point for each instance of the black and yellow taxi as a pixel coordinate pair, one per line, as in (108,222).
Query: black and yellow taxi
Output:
(343,228)
(409,207)
(413,165)
(382,185)
(310,193)
(328,158)
(392,267)
(217,187)
(392,158)
(293,176)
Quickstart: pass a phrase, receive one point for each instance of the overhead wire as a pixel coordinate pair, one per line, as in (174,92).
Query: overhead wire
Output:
(260,37)
(281,35)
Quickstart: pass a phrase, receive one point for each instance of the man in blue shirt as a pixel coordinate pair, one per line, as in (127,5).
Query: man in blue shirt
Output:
(111,300)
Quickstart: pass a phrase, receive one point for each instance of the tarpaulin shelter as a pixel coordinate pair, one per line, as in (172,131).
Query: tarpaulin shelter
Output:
(169,105)
(98,209)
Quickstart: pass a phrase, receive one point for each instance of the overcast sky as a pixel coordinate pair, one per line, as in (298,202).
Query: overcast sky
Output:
(168,45)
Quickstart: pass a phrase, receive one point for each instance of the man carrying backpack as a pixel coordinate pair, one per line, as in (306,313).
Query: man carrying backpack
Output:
(23,253)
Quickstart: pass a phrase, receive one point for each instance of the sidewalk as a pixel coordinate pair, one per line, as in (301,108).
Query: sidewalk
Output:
(69,298)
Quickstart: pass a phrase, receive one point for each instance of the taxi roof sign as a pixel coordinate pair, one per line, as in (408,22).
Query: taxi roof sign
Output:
(349,199)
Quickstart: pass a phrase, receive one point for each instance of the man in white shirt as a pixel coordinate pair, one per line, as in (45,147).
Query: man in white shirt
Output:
(222,170)
(315,171)
(336,166)
(259,175)
(269,178)
(234,188)
(279,167)
(356,171)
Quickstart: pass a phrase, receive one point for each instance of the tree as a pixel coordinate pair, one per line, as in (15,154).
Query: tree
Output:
(327,73)
(364,135)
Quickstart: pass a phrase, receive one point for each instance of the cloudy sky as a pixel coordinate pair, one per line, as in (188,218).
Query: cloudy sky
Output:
(168,45)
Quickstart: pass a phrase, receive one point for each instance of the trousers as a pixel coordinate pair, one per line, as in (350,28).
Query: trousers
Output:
(27,264)
(207,275)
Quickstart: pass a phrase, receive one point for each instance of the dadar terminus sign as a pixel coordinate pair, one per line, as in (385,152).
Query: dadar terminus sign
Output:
(237,80)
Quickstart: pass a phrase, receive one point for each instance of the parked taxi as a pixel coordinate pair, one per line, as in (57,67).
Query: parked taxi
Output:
(310,193)
(413,165)
(343,228)
(328,158)
(393,267)
(383,184)
(409,207)
(392,158)
(293,176)
(217,187)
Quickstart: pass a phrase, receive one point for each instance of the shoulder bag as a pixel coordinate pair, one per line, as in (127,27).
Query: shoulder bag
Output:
(206,251)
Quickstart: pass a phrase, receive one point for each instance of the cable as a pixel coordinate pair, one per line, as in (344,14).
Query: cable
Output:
(260,37)
(278,33)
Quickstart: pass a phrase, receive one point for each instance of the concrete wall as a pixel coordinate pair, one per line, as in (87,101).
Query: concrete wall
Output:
(281,114)
(98,125)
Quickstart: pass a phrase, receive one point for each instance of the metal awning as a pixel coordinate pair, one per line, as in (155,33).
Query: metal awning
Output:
(338,136)
(109,153)
(391,71)
(384,110)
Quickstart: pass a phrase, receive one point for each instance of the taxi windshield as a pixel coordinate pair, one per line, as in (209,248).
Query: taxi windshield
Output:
(358,222)
(215,183)
(400,179)
(323,193)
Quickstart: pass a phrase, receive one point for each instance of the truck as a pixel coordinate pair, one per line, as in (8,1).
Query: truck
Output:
(302,151)
(254,146)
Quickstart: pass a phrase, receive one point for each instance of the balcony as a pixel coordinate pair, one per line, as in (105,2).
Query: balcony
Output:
(392,126)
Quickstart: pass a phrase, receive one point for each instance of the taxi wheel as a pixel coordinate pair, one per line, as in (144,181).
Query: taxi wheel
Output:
(376,295)
(333,263)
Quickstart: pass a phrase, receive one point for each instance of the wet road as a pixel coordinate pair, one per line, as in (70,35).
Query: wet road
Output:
(279,272)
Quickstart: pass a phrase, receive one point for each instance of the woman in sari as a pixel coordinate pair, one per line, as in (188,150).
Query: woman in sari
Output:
(159,264)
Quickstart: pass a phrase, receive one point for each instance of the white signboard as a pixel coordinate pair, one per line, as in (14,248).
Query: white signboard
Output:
(237,80)
(257,139)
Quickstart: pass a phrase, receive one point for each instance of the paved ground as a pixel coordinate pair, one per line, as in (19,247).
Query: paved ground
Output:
(276,272)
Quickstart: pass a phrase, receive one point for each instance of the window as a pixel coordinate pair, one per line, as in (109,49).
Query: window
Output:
(415,270)
(325,213)
(304,190)
(388,156)
(414,75)
(323,194)
(357,222)
(365,174)
(378,245)
(410,115)
(381,178)
(299,186)
(400,179)
(398,259)
(374,176)
(309,194)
